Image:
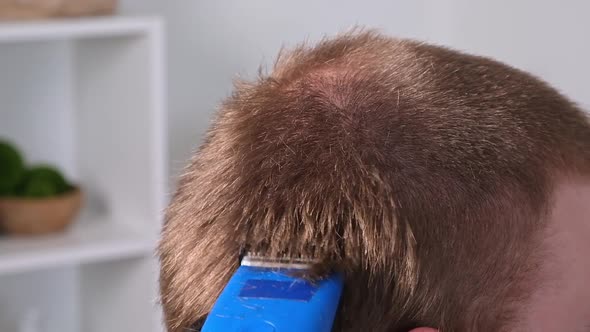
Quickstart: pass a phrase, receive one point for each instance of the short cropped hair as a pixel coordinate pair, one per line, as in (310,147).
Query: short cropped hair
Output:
(425,175)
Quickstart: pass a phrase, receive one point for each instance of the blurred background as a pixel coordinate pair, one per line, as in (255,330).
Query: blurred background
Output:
(102,102)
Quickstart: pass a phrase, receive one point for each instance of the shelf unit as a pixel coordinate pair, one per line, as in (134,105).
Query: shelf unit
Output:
(87,95)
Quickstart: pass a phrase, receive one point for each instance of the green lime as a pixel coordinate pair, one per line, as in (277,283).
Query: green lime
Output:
(42,181)
(51,174)
(39,188)
(11,168)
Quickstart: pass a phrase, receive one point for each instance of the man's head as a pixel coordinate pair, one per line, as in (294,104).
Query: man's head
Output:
(438,182)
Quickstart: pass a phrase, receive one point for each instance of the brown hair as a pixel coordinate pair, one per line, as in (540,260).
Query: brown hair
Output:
(422,173)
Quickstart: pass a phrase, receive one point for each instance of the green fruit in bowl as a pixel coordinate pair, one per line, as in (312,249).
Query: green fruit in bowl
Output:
(39,188)
(11,168)
(50,174)
(42,181)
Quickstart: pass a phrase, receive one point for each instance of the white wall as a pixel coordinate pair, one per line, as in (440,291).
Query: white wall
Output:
(549,38)
(212,41)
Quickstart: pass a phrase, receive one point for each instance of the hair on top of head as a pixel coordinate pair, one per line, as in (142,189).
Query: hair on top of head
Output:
(422,173)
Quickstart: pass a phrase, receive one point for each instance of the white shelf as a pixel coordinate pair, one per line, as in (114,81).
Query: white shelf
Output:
(100,241)
(74,28)
(88,95)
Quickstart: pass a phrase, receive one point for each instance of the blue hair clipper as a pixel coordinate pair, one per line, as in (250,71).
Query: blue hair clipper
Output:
(265,295)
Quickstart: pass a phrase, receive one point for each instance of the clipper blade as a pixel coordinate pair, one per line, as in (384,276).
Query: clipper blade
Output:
(259,260)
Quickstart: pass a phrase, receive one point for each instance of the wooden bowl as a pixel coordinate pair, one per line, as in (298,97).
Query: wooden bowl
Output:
(78,8)
(43,9)
(30,216)
(34,9)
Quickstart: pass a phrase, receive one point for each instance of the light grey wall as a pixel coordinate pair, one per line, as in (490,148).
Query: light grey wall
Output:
(548,38)
(210,42)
